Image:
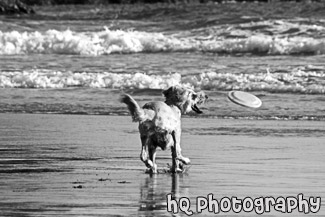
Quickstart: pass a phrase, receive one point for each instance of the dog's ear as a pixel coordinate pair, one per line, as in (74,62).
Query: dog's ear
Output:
(168,92)
(174,93)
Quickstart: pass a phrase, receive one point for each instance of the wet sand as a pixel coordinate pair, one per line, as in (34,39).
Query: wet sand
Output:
(74,165)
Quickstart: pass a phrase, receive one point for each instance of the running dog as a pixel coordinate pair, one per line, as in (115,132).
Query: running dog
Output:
(160,124)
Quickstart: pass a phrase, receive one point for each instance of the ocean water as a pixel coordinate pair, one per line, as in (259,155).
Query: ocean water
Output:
(78,59)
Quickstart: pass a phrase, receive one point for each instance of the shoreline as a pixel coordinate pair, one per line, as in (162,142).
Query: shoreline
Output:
(280,118)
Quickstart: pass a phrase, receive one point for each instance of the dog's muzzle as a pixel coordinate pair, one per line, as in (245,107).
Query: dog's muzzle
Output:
(196,109)
(201,98)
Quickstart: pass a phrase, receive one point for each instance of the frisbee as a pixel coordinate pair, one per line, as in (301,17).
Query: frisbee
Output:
(244,99)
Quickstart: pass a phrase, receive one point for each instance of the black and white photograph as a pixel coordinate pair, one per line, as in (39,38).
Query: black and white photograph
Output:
(162,108)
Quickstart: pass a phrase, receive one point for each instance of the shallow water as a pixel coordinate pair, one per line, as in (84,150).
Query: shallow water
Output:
(56,165)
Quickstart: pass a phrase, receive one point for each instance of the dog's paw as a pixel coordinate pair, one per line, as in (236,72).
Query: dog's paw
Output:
(176,170)
(149,163)
(185,160)
(152,170)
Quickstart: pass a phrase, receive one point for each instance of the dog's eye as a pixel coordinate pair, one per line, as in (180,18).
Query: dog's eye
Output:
(194,96)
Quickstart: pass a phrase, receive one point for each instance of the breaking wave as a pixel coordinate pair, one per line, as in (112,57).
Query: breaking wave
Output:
(300,80)
(267,37)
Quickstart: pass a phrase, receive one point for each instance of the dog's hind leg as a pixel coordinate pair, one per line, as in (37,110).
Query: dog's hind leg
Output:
(146,143)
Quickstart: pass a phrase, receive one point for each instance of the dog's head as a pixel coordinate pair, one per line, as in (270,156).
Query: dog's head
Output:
(185,99)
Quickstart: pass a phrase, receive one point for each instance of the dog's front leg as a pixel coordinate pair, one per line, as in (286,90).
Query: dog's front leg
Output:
(176,154)
(144,151)
(152,157)
(178,150)
(175,162)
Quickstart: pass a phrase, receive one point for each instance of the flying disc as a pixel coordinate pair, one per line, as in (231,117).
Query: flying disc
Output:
(244,99)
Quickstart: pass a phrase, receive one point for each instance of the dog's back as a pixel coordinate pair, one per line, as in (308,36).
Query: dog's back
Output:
(166,117)
(164,122)
(153,116)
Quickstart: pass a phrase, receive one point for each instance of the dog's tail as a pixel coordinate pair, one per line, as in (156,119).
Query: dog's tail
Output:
(137,113)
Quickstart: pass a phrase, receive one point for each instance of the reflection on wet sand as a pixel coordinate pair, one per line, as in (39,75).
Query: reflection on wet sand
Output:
(153,199)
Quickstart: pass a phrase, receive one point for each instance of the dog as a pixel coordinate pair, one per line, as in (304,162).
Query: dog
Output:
(160,124)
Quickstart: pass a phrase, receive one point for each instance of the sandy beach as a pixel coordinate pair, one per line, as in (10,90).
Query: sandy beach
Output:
(75,165)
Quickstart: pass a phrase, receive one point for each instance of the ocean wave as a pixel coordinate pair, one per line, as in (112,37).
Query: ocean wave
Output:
(256,39)
(295,81)
(58,79)
(69,42)
(307,80)
(261,44)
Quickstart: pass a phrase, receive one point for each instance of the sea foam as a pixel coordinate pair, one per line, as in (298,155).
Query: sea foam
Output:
(58,79)
(299,80)
(219,39)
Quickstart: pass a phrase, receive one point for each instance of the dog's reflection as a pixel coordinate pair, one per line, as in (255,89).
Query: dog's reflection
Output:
(153,200)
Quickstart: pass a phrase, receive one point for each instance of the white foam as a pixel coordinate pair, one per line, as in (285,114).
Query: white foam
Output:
(295,81)
(299,80)
(57,79)
(119,41)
